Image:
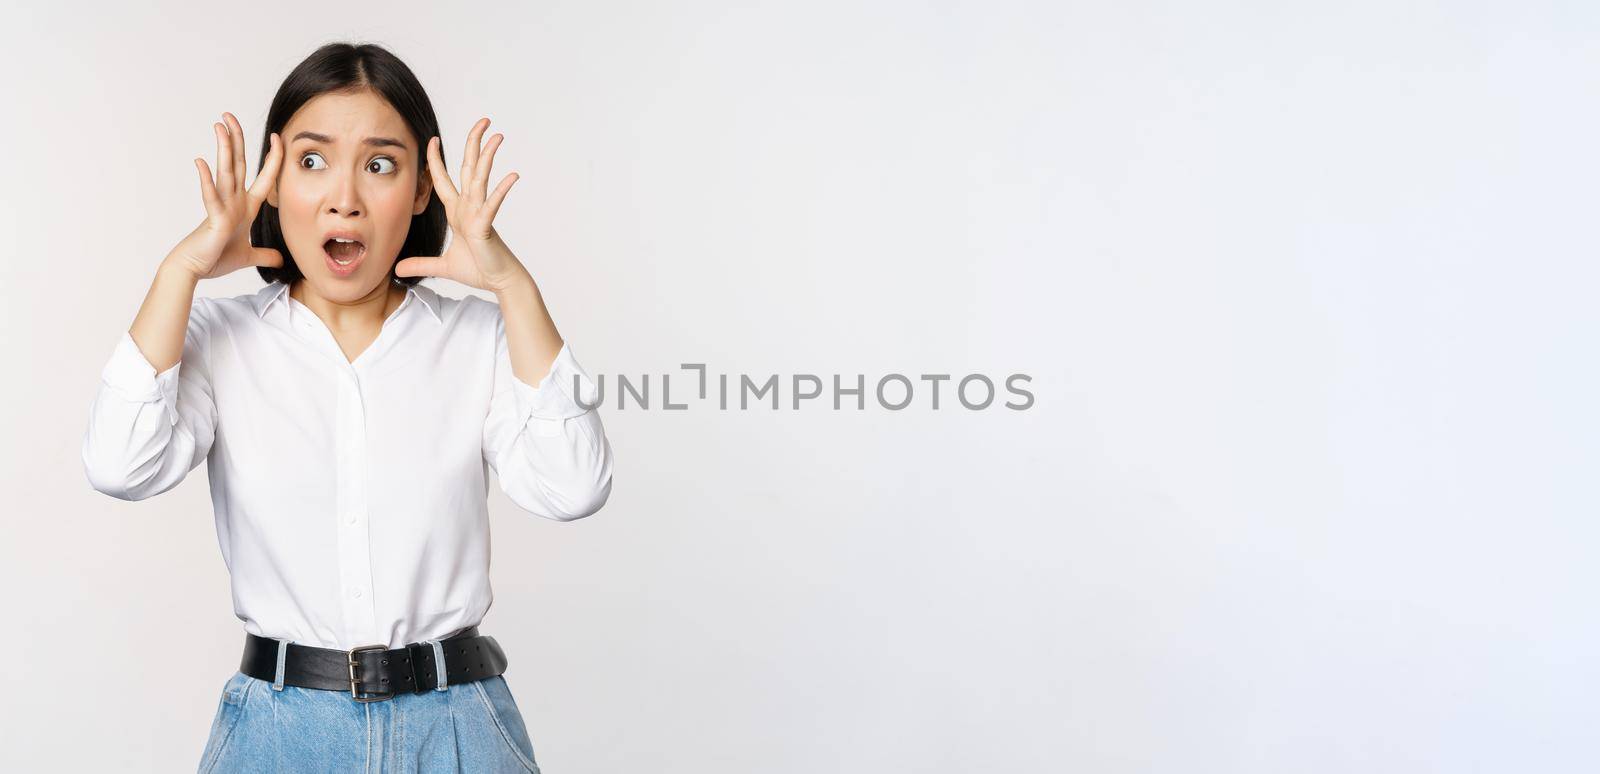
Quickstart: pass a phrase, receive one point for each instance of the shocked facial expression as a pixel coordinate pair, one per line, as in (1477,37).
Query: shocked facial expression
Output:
(349,186)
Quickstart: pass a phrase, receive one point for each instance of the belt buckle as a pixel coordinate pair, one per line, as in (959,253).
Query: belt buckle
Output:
(355,691)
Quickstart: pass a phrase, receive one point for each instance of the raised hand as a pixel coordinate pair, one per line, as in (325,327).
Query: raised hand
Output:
(221,243)
(476,256)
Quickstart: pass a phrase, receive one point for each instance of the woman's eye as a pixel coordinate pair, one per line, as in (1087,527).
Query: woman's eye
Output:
(311,155)
(379,162)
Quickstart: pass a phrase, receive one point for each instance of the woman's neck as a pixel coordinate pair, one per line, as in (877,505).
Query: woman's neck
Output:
(365,313)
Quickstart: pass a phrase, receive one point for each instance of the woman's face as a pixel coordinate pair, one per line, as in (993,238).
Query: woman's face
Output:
(349,173)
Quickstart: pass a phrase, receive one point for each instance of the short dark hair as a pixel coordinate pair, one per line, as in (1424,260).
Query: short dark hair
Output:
(349,68)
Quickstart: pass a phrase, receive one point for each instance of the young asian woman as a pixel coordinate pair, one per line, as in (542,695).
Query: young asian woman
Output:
(350,416)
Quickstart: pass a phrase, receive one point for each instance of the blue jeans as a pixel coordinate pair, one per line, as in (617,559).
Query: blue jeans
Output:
(468,727)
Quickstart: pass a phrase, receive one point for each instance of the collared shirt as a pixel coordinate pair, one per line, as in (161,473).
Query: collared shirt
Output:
(350,498)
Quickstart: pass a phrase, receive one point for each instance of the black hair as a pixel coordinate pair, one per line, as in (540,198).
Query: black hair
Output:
(349,68)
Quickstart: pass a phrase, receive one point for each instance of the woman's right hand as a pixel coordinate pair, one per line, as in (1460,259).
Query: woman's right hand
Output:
(221,244)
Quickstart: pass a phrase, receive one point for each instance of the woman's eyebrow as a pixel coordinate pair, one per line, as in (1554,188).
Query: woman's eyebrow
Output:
(322,138)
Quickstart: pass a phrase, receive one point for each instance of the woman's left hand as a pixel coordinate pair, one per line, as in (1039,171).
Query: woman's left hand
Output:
(476,255)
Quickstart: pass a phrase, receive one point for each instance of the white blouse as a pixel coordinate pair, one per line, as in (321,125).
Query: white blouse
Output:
(350,498)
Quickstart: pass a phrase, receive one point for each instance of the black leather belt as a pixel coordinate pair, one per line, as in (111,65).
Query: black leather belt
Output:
(374,672)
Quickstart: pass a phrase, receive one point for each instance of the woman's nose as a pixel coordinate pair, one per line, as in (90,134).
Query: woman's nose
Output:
(346,199)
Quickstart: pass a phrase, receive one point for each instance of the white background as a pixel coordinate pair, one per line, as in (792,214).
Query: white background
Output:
(1306,291)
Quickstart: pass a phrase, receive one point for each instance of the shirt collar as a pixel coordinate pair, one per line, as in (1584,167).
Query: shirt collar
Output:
(277,291)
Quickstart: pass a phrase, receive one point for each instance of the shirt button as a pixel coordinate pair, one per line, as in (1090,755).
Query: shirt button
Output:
(350,519)
(357,594)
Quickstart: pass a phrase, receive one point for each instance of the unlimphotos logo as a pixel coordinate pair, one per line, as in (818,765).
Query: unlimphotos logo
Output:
(974,392)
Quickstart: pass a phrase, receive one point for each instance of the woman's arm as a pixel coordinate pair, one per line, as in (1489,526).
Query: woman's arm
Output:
(531,335)
(154,417)
(163,318)
(550,453)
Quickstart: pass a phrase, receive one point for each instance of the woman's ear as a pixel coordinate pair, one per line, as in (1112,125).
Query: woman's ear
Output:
(424,192)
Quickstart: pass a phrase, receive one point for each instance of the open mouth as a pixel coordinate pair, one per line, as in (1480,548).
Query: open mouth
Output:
(344,253)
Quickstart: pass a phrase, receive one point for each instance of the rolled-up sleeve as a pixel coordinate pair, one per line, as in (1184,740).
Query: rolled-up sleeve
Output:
(147,430)
(545,442)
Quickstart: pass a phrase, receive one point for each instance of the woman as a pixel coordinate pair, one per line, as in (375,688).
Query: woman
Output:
(350,417)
